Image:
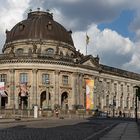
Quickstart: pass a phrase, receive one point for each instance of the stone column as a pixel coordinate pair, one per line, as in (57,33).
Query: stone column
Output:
(57,87)
(74,89)
(11,99)
(82,91)
(34,87)
(80,88)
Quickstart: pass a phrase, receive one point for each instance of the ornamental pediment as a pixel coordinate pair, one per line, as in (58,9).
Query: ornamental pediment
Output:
(89,63)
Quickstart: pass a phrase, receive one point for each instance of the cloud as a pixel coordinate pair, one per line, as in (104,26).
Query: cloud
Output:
(89,11)
(134,63)
(135,25)
(11,13)
(84,16)
(112,48)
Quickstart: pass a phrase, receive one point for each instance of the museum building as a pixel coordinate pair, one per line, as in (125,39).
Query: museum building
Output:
(40,65)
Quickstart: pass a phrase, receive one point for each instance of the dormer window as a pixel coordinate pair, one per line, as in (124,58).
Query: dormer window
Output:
(49,25)
(21,27)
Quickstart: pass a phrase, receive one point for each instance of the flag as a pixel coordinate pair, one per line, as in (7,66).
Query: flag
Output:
(87,39)
(2,88)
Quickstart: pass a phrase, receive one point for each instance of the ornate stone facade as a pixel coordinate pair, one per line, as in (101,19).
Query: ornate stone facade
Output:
(54,72)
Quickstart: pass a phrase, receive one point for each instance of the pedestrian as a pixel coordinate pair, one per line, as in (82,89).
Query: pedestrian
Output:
(56,112)
(120,114)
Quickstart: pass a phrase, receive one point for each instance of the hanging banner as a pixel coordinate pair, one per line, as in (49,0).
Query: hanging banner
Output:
(2,88)
(23,89)
(89,94)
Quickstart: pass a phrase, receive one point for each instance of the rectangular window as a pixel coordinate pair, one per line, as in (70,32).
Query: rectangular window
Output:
(128,89)
(65,80)
(121,88)
(45,79)
(108,86)
(23,77)
(115,87)
(3,78)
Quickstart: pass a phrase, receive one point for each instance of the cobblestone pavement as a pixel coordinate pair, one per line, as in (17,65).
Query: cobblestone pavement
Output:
(66,129)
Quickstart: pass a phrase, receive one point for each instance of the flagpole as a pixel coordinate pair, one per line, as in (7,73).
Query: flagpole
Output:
(86,43)
(86,48)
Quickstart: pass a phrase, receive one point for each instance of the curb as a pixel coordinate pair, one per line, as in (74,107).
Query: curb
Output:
(101,133)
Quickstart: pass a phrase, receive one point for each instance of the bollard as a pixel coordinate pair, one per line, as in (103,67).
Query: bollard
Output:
(35,111)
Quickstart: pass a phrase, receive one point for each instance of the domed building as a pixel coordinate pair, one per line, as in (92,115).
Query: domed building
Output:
(41,66)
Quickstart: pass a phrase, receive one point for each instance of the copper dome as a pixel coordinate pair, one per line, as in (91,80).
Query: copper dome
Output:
(39,25)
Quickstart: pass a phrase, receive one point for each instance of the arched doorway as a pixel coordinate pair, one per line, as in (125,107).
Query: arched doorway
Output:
(4,99)
(45,100)
(23,100)
(64,101)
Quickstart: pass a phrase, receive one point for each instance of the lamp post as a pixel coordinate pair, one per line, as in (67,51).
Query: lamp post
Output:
(136,117)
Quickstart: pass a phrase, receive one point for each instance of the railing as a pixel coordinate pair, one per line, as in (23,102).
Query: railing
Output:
(16,113)
(26,113)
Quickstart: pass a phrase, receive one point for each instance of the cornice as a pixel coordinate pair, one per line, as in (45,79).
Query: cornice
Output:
(28,60)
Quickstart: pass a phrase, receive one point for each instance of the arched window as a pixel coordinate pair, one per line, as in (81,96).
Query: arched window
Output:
(50,51)
(121,101)
(107,100)
(133,102)
(114,101)
(127,102)
(19,51)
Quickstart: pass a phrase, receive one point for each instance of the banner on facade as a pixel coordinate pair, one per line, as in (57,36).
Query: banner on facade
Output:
(89,94)
(23,89)
(2,88)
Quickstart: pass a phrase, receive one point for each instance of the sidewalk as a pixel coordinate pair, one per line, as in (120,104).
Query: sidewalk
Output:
(2,120)
(123,131)
(15,120)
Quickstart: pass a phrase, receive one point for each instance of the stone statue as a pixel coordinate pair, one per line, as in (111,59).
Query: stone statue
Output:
(34,48)
(12,50)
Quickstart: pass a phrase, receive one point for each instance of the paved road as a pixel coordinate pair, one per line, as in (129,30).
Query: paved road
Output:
(55,129)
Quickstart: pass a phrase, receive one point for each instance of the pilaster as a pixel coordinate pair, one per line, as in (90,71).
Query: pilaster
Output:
(11,99)
(34,87)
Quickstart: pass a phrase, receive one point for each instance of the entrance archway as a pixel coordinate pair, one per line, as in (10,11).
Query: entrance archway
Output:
(45,100)
(23,100)
(4,99)
(64,101)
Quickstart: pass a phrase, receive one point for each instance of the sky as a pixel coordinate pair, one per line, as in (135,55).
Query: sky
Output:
(113,26)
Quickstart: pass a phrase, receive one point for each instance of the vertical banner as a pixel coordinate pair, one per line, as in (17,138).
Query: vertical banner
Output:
(89,94)
(2,88)
(23,89)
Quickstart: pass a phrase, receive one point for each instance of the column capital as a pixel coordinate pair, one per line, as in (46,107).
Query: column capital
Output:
(11,70)
(75,73)
(57,71)
(34,70)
